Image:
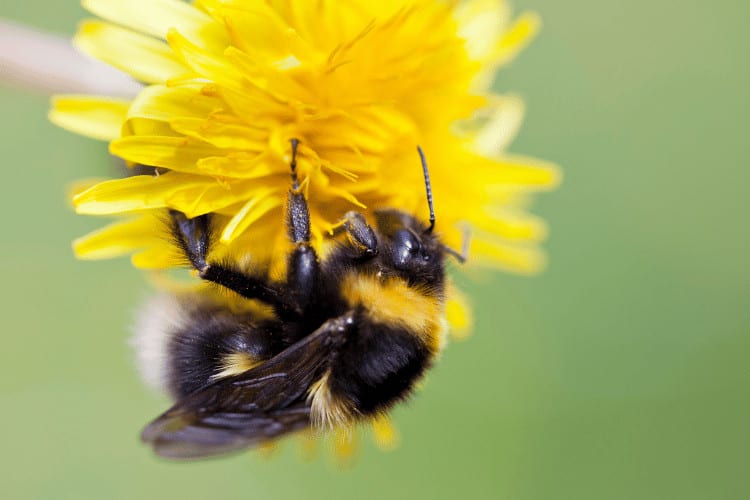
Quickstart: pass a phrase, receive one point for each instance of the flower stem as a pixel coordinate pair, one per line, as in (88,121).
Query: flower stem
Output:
(48,64)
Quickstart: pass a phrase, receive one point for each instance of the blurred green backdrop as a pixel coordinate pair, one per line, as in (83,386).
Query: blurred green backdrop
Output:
(620,373)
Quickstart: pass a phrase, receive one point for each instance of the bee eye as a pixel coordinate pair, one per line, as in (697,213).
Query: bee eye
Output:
(406,245)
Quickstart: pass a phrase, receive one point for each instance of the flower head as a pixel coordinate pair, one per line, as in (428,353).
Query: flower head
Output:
(360,83)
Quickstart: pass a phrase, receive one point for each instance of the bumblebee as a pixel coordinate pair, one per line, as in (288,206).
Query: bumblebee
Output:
(347,338)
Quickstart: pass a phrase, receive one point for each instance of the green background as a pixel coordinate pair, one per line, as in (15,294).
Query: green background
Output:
(620,373)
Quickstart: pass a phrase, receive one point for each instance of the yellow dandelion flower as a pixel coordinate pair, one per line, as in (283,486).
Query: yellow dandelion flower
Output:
(227,84)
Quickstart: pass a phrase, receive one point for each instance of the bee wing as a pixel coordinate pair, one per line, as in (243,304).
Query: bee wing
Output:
(247,409)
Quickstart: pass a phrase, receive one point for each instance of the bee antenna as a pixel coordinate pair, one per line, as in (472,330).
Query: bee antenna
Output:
(461,257)
(428,187)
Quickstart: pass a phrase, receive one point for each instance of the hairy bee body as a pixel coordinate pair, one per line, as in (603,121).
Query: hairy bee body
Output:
(339,340)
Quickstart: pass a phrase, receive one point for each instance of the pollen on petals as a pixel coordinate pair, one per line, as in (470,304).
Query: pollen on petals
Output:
(360,86)
(228,84)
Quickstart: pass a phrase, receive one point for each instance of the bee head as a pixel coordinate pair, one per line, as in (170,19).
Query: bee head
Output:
(410,247)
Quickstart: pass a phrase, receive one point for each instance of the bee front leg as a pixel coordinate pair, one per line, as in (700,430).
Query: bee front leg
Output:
(362,239)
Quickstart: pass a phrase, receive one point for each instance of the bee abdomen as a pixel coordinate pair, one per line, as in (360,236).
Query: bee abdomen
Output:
(213,347)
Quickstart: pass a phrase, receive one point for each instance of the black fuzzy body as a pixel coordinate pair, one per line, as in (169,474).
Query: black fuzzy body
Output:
(316,335)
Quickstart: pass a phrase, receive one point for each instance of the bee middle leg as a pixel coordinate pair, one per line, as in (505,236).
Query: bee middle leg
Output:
(303,266)
(194,238)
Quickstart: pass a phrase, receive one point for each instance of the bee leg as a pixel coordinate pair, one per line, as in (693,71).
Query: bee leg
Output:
(362,239)
(194,238)
(303,266)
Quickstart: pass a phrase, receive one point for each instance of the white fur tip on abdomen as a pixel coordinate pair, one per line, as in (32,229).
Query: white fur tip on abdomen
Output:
(155,324)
